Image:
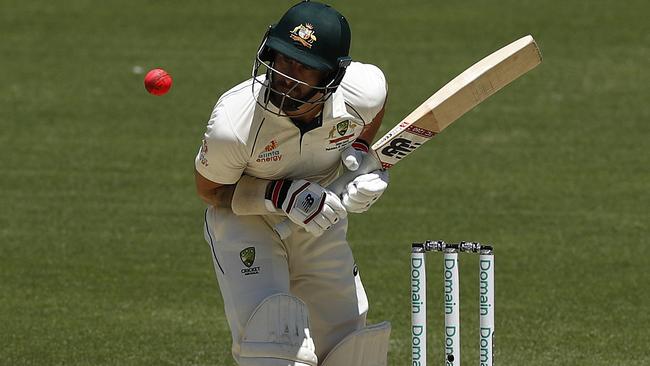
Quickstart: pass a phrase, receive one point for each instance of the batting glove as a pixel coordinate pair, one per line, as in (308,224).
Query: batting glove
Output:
(364,191)
(353,155)
(307,204)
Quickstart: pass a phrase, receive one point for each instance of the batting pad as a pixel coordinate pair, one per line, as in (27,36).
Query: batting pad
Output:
(277,334)
(364,347)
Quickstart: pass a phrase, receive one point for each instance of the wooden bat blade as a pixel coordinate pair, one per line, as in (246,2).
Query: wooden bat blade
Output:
(457,97)
(460,95)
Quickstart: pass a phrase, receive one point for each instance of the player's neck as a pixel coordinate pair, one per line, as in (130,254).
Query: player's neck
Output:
(306,116)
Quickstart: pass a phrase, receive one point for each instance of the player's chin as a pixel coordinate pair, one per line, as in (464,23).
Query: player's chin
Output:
(280,101)
(289,103)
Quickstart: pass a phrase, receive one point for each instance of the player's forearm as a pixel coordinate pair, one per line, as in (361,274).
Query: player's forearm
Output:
(218,197)
(251,196)
(370,131)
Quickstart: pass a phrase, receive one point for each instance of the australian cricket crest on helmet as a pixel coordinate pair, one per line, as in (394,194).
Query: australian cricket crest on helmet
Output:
(304,34)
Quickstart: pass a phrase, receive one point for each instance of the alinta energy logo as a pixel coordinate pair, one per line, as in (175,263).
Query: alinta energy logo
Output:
(247,257)
(270,153)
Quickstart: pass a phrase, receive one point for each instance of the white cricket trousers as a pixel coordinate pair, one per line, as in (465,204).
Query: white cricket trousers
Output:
(252,263)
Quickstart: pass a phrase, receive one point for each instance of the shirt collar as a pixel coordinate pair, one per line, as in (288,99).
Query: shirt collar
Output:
(335,106)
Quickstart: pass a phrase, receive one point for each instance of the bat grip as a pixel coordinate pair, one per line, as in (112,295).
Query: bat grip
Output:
(369,164)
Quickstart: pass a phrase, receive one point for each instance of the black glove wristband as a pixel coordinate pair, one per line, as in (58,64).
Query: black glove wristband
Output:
(277,190)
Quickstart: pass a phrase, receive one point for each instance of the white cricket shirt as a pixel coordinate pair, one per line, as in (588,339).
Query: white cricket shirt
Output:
(243,138)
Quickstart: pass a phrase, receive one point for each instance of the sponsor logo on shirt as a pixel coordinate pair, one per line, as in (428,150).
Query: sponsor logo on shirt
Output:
(270,153)
(342,127)
(247,257)
(204,150)
(340,136)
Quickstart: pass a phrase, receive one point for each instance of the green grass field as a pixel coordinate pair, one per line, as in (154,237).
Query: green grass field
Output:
(102,258)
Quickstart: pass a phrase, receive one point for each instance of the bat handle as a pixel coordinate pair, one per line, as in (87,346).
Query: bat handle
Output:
(369,164)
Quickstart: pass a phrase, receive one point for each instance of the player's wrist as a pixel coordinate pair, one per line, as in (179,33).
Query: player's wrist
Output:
(276,192)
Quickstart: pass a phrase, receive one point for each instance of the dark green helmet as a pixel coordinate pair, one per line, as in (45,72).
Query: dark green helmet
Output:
(314,34)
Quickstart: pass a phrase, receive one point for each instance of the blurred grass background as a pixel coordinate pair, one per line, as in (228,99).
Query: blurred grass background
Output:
(102,260)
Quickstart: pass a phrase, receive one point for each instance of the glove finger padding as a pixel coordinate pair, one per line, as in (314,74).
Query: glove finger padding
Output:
(365,190)
(353,193)
(372,184)
(354,206)
(322,222)
(329,214)
(334,202)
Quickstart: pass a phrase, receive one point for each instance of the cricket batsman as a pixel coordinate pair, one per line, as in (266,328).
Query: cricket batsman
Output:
(272,145)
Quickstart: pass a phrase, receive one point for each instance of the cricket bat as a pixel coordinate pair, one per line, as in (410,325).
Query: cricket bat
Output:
(445,106)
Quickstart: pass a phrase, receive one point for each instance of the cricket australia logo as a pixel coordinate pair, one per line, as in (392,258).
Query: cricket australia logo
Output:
(341,135)
(247,257)
(342,127)
(303,34)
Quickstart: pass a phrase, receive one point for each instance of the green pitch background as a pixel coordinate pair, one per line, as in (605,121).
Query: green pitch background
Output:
(102,259)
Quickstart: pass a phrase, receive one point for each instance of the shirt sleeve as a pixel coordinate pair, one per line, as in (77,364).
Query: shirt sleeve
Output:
(366,89)
(221,157)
